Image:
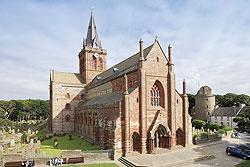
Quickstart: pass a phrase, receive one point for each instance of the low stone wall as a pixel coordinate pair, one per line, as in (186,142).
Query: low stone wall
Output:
(90,156)
(97,156)
(210,138)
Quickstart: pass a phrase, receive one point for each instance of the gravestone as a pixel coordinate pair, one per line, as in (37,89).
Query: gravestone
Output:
(12,143)
(39,143)
(1,149)
(31,141)
(1,135)
(10,130)
(29,132)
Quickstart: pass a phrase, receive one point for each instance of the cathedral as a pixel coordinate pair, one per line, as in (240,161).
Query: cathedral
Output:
(131,107)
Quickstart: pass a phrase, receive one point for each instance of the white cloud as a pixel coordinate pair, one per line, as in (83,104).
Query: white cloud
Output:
(210,40)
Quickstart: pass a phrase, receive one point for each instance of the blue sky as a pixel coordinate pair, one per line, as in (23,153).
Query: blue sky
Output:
(210,40)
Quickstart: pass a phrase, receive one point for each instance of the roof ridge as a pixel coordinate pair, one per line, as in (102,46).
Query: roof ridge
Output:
(122,66)
(128,58)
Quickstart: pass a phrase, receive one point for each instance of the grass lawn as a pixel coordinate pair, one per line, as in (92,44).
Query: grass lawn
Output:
(65,144)
(245,163)
(97,165)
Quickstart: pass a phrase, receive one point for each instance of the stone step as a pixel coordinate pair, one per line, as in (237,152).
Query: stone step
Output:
(126,162)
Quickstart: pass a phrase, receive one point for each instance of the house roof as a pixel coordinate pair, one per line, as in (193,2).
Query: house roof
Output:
(66,77)
(226,111)
(126,66)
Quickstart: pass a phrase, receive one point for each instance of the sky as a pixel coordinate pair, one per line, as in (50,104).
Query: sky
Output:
(210,40)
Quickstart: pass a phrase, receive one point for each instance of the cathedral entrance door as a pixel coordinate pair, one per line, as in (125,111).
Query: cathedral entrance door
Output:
(136,142)
(179,137)
(161,139)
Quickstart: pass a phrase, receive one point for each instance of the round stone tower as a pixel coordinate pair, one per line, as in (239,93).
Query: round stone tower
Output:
(204,104)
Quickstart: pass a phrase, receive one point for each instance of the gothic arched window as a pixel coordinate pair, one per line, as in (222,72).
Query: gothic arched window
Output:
(94,65)
(157,94)
(67,118)
(100,64)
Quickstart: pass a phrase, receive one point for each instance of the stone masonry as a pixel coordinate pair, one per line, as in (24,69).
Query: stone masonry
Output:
(131,107)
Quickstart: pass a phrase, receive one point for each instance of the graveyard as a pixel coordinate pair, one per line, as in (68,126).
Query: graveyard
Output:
(16,145)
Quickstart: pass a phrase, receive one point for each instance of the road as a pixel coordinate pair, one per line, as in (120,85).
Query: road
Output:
(206,155)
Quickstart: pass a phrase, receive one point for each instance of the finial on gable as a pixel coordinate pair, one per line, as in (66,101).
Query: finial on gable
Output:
(156,38)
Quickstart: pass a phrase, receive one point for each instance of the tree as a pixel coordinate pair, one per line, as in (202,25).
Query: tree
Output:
(191,101)
(7,107)
(243,120)
(198,124)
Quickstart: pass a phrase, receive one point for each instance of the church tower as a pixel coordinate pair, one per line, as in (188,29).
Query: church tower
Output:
(92,58)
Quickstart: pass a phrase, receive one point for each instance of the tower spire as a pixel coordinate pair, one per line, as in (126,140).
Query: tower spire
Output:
(92,39)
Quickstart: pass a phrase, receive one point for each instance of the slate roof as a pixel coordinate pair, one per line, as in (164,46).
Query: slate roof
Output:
(126,66)
(66,77)
(105,99)
(226,111)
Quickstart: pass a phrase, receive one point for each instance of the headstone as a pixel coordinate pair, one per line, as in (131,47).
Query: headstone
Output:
(37,131)
(1,149)
(29,131)
(31,141)
(12,143)
(1,135)
(10,131)
(18,130)
(39,143)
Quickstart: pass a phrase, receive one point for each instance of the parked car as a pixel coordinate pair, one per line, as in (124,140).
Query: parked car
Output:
(238,152)
(244,146)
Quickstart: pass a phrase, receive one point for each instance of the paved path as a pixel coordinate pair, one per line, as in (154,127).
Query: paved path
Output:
(212,154)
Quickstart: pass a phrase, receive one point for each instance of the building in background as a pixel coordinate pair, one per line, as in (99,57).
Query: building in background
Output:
(206,109)
(225,115)
(204,104)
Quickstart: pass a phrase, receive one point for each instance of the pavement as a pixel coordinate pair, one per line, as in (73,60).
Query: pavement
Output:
(205,155)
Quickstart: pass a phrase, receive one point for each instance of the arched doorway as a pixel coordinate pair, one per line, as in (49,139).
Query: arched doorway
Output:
(136,142)
(179,137)
(161,138)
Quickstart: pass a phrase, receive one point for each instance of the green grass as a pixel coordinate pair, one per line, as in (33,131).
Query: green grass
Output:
(96,165)
(244,164)
(65,144)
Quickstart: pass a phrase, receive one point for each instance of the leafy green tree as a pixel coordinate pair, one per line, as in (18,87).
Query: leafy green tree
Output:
(198,124)
(191,101)
(214,127)
(243,120)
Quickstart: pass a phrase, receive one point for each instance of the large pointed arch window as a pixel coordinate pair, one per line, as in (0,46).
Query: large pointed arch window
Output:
(157,94)
(100,64)
(94,63)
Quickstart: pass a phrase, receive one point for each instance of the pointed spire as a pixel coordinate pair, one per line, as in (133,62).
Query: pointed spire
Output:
(92,39)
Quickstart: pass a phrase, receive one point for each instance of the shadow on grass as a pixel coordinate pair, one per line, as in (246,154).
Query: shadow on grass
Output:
(64,143)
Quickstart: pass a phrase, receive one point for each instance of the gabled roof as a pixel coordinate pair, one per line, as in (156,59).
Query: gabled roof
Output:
(66,77)
(226,111)
(126,66)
